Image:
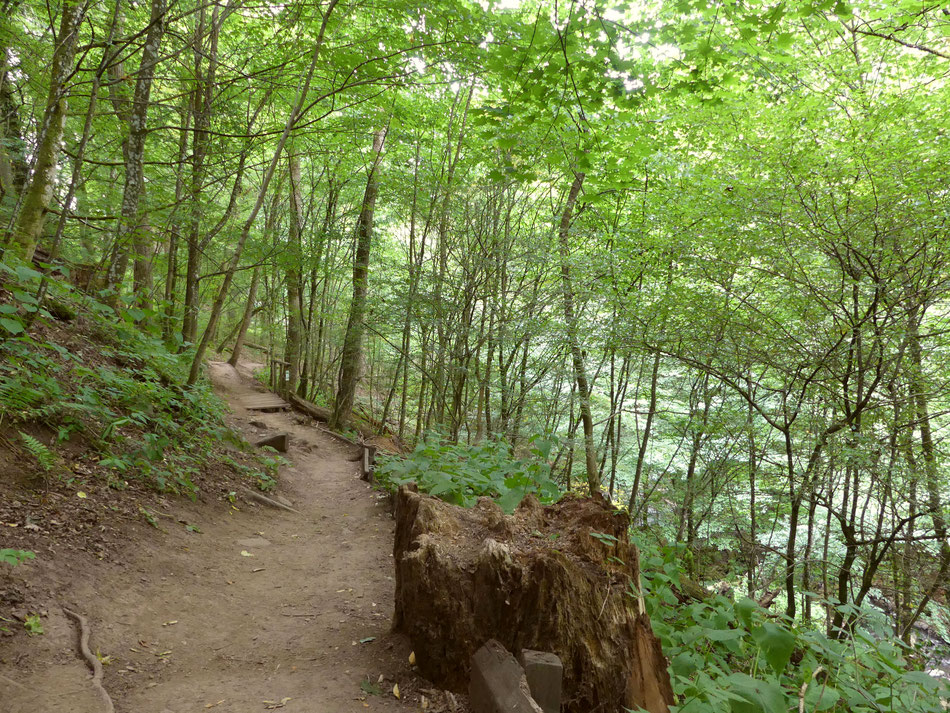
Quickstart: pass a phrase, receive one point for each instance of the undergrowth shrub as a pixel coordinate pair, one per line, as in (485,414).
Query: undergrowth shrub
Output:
(736,657)
(120,388)
(460,473)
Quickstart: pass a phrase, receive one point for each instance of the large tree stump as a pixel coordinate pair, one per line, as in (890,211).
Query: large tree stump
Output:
(538,580)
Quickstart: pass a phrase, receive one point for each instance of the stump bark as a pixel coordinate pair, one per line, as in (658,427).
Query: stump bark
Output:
(555,578)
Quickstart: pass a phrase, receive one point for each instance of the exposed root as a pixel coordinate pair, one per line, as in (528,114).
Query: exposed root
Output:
(267,501)
(91,659)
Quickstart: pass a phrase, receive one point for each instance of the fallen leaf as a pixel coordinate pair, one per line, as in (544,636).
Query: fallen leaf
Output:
(425,703)
(370,688)
(81,495)
(271,705)
(412,658)
(396,690)
(245,553)
(170,623)
(212,705)
(258,569)
(367,639)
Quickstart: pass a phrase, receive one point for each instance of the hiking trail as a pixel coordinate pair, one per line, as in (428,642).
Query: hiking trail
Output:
(262,610)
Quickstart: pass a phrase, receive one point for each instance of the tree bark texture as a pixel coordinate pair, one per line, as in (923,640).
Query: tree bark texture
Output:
(353,339)
(37,196)
(570,317)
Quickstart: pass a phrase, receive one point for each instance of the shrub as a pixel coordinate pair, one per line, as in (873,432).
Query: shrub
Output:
(460,473)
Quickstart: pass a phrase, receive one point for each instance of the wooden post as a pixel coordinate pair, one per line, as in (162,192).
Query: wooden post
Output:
(369,463)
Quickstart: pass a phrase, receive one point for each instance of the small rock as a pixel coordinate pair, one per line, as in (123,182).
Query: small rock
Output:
(258,424)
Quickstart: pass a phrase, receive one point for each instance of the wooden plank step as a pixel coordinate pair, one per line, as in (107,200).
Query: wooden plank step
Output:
(263,402)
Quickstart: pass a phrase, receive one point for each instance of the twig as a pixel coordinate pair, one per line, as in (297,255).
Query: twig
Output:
(91,659)
(267,501)
(804,689)
(13,683)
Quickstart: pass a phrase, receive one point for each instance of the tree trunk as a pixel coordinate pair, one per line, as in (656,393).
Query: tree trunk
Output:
(131,230)
(353,339)
(37,196)
(570,317)
(645,438)
(261,194)
(246,319)
(294,341)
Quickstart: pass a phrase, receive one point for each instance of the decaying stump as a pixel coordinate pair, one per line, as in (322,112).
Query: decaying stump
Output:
(535,580)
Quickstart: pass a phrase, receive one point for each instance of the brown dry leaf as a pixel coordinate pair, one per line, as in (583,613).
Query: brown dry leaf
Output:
(271,705)
(396,690)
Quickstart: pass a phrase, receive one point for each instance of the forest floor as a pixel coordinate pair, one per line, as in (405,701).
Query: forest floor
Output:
(262,609)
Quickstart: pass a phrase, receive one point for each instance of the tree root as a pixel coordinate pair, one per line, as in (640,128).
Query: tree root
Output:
(267,501)
(91,659)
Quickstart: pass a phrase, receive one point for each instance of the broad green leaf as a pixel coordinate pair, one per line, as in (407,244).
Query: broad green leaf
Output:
(13,326)
(776,644)
(755,696)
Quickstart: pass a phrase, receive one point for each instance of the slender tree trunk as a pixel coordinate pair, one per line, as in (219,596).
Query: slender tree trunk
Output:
(294,341)
(261,194)
(353,339)
(246,319)
(931,472)
(28,227)
(570,317)
(645,437)
(131,230)
(174,230)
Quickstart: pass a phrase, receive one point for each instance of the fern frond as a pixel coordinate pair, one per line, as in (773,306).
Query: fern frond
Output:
(44,456)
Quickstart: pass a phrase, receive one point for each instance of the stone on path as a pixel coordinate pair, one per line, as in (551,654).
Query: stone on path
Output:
(498,683)
(544,672)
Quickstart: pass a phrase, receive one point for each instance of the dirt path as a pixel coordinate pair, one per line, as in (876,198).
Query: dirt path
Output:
(262,607)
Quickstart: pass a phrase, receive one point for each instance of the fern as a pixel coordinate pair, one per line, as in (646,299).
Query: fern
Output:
(44,456)
(17,396)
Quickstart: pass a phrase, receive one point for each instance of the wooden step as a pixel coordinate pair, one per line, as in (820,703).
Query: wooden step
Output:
(264,402)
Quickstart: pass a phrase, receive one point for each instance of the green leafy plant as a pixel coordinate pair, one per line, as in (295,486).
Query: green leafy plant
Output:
(43,455)
(460,473)
(735,657)
(15,557)
(33,624)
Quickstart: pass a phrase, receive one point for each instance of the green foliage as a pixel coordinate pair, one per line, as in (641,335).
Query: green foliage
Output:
(460,473)
(15,557)
(122,392)
(33,624)
(44,456)
(735,657)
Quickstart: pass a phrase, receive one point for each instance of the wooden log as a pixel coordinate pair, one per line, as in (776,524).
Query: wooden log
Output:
(552,578)
(323,414)
(257,347)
